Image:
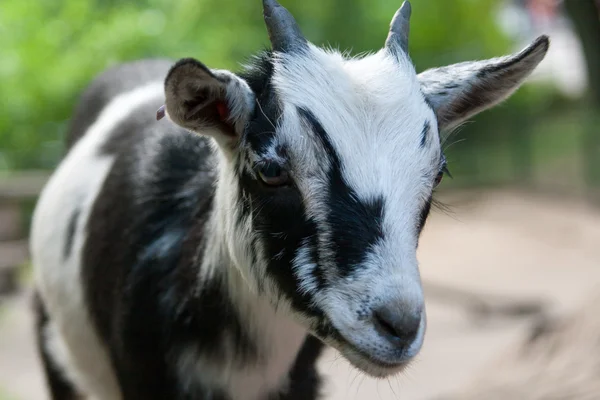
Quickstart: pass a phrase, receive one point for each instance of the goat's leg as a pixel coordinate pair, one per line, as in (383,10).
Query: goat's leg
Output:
(60,388)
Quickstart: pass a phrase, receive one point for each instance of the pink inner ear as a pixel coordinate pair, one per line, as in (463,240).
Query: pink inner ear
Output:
(222,110)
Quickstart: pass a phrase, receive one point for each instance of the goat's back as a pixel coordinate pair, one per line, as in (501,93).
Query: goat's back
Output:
(109,84)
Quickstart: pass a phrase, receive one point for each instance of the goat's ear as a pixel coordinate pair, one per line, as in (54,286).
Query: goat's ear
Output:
(216,103)
(457,92)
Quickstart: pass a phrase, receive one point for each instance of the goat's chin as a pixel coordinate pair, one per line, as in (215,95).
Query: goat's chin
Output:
(368,366)
(365,363)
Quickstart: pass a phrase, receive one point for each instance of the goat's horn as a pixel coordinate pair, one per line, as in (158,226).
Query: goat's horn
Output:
(399,29)
(284,33)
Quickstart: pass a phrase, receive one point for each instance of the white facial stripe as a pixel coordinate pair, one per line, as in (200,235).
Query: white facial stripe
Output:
(304,268)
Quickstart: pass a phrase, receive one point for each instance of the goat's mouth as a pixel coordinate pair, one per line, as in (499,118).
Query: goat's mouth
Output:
(373,354)
(365,361)
(371,365)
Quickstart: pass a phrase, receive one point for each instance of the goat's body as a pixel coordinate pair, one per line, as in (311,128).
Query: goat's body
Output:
(138,297)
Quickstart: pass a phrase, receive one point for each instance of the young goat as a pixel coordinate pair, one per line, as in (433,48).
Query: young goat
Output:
(210,254)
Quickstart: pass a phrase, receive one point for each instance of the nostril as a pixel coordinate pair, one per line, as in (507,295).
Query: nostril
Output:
(384,325)
(401,328)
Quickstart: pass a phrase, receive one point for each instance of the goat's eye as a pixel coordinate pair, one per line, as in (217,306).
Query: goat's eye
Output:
(272,174)
(438,178)
(443,171)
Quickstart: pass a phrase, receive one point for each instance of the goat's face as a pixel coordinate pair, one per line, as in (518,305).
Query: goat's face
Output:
(328,174)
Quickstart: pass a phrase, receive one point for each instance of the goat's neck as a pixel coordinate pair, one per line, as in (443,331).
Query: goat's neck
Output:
(276,337)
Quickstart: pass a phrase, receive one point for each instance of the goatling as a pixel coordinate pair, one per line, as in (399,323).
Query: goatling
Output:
(211,254)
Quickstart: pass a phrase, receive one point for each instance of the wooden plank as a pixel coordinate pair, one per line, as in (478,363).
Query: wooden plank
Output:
(10,222)
(14,252)
(12,255)
(22,185)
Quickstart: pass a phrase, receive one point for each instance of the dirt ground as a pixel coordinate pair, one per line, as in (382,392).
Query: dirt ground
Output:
(500,244)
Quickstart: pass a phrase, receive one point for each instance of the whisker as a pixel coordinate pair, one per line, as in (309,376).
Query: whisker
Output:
(364,377)
(445,208)
(391,388)
(446,147)
(377,386)
(453,132)
(356,375)
(263,113)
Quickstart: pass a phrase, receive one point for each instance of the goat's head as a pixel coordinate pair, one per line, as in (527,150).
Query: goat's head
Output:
(328,168)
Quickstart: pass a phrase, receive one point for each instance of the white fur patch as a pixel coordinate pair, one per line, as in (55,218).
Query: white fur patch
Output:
(277,337)
(304,267)
(74,186)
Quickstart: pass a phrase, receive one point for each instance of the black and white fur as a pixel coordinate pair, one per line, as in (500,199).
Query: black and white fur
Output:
(165,267)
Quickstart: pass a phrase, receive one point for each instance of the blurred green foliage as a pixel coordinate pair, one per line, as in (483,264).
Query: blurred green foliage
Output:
(51,50)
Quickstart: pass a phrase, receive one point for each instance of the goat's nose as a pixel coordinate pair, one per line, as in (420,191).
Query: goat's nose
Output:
(396,325)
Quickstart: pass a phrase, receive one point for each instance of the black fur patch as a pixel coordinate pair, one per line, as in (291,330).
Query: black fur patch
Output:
(262,126)
(356,223)
(425,133)
(280,219)
(424,214)
(451,85)
(70,234)
(58,385)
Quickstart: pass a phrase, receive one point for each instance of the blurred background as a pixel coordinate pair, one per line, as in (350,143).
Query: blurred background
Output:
(520,228)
